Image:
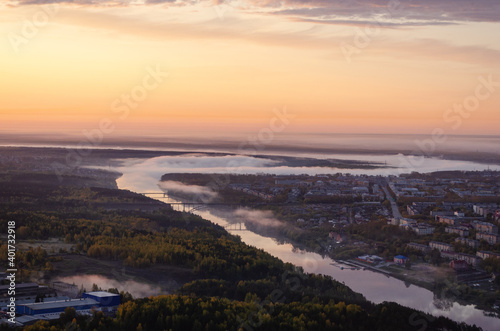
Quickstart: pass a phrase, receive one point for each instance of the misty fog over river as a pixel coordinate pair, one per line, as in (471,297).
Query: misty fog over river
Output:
(144,175)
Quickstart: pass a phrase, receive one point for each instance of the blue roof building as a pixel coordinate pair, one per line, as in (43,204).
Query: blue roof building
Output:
(88,301)
(400,259)
(105,299)
(40,308)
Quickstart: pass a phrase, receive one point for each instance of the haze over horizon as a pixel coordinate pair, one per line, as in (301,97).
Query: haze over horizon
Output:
(214,68)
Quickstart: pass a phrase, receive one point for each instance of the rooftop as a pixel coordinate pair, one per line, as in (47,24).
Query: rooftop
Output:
(61,304)
(102,294)
(20,286)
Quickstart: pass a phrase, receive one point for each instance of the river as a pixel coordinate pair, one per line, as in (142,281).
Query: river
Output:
(144,175)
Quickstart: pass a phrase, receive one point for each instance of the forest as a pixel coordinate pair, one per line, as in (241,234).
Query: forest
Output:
(177,312)
(237,287)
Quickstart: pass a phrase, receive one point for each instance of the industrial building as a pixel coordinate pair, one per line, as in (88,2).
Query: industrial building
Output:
(105,299)
(27,290)
(88,301)
(51,310)
(41,308)
(70,290)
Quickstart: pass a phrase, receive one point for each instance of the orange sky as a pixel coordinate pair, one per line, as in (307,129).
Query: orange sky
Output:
(230,65)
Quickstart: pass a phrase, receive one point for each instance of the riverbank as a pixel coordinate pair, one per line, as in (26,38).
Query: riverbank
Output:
(439,280)
(480,149)
(409,276)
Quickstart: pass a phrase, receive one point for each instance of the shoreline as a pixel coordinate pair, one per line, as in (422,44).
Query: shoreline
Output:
(421,284)
(141,151)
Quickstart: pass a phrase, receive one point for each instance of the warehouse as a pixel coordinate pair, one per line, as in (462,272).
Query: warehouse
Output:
(26,290)
(95,300)
(40,308)
(105,299)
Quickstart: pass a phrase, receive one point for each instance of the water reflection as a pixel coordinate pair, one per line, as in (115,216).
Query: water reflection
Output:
(143,176)
(374,286)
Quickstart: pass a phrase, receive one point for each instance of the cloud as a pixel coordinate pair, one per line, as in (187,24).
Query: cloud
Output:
(367,22)
(395,12)
(100,3)
(434,49)
(141,176)
(202,193)
(197,163)
(138,290)
(258,218)
(359,13)
(168,27)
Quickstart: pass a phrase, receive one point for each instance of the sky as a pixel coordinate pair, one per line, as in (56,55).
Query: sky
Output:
(162,68)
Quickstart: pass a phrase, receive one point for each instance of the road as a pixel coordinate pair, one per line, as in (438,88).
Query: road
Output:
(394,206)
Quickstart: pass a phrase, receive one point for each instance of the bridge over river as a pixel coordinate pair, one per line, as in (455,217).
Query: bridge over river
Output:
(190,206)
